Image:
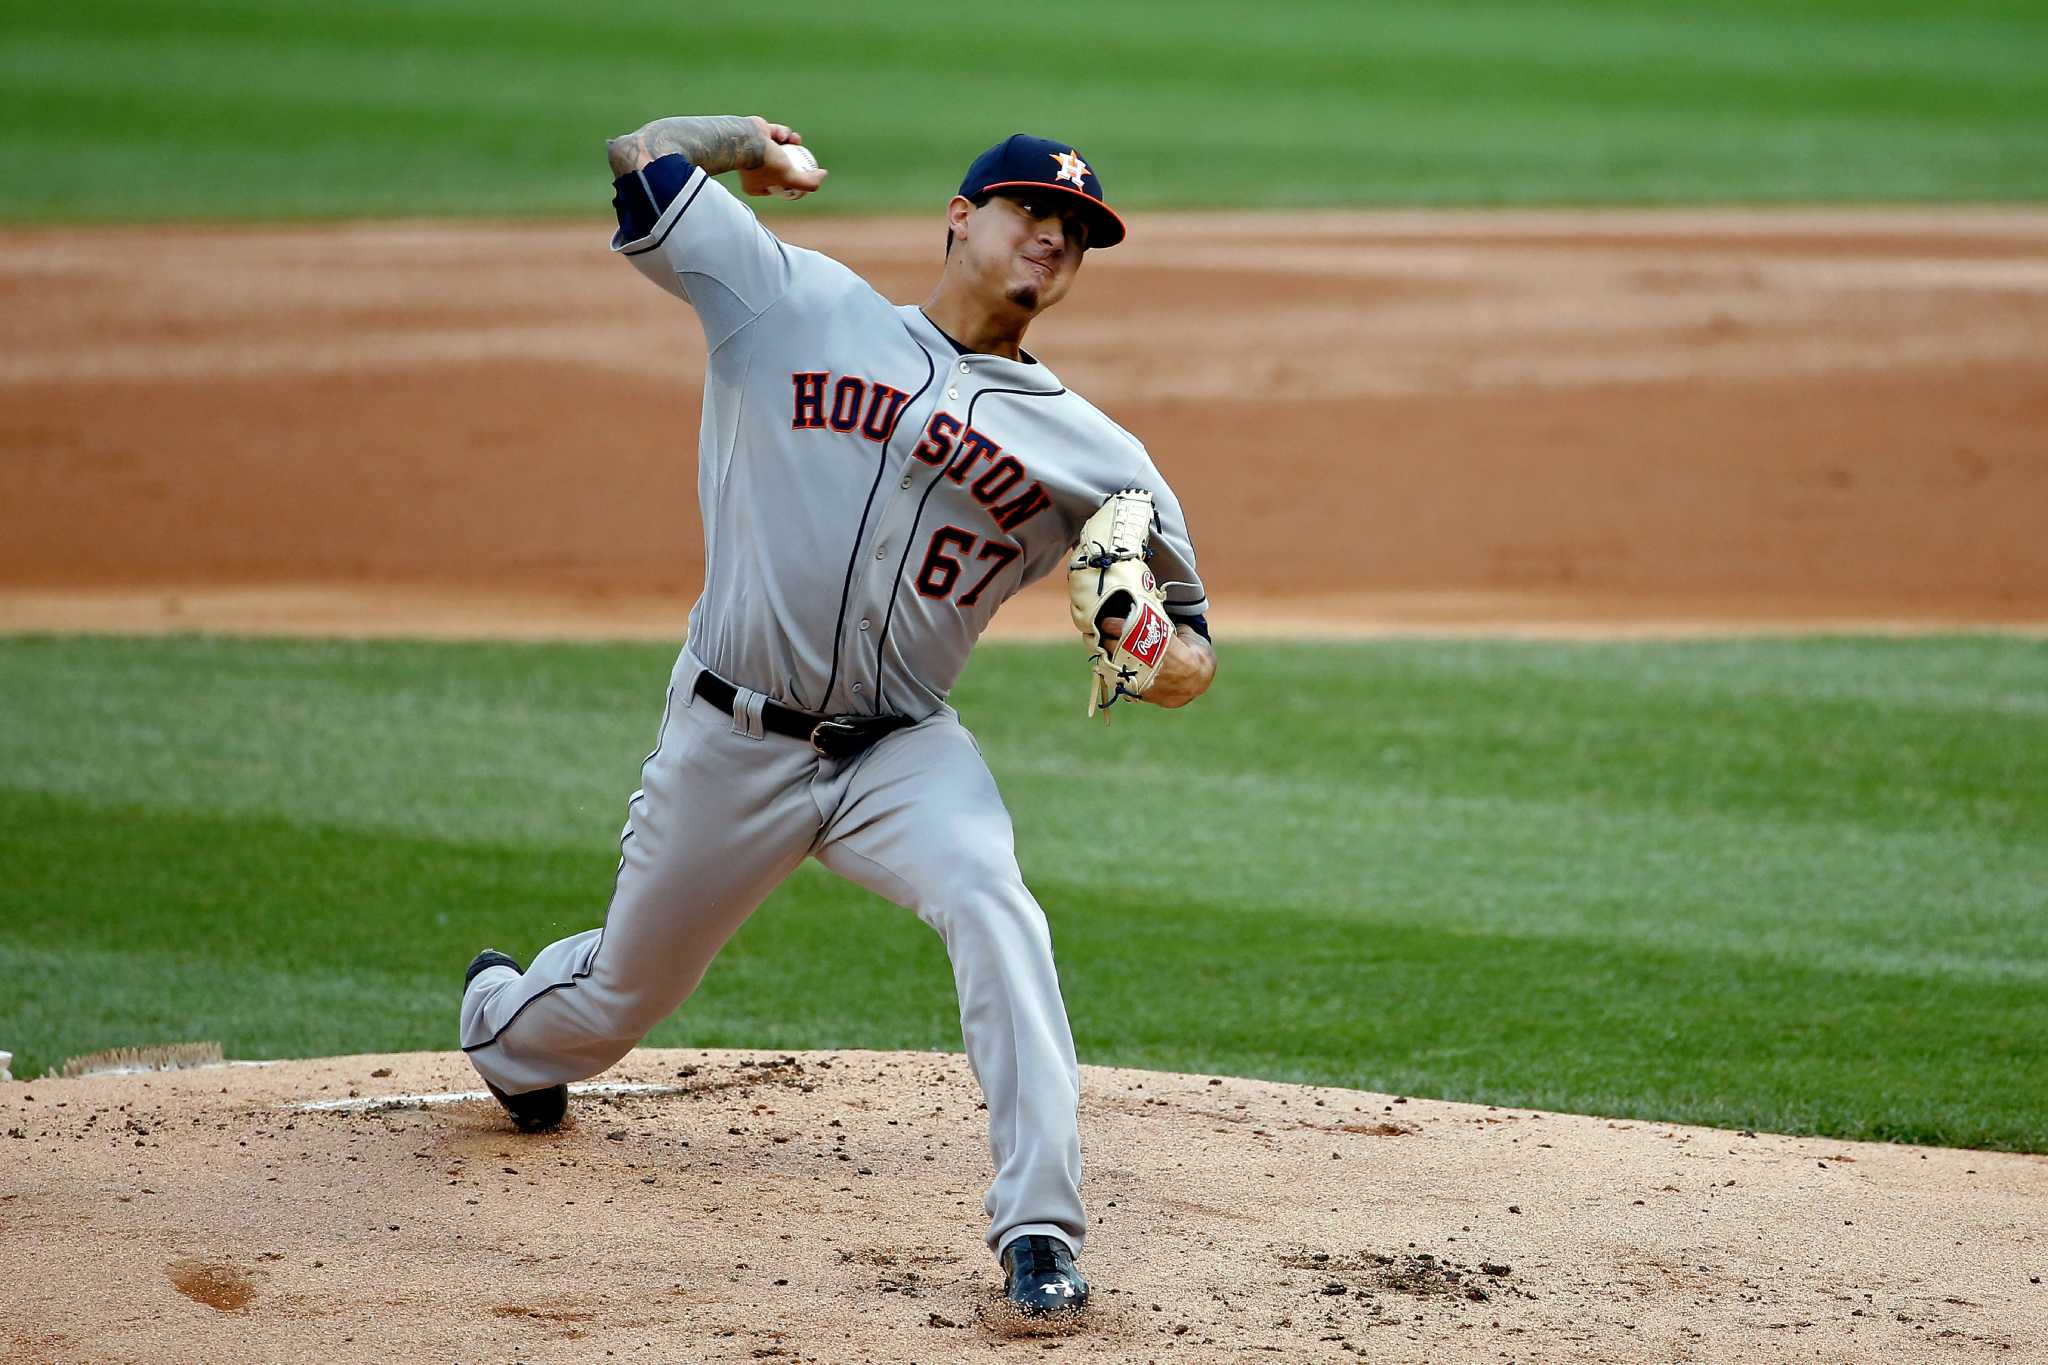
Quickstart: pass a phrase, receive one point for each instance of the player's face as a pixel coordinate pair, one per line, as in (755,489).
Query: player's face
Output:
(1025,246)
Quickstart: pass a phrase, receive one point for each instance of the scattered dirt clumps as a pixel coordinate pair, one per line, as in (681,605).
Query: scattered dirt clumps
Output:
(735,1207)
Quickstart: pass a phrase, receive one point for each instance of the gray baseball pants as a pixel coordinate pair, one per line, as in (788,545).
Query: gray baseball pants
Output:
(725,812)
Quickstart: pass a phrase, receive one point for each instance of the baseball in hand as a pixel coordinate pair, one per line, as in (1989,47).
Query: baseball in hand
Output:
(801,160)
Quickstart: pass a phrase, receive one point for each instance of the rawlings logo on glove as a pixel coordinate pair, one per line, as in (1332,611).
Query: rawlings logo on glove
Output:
(1107,577)
(1147,639)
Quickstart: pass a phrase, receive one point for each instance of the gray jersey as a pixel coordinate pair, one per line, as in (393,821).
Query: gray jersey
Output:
(870,494)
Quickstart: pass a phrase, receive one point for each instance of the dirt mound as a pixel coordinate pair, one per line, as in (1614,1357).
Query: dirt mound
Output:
(726,1206)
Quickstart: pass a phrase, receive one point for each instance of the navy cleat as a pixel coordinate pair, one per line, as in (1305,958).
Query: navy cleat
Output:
(536,1111)
(1039,1276)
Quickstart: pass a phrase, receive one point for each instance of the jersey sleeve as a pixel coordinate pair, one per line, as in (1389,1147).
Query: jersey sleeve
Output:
(1173,555)
(690,235)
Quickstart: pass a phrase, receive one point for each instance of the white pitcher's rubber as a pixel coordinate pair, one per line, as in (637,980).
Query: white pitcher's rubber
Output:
(453,1097)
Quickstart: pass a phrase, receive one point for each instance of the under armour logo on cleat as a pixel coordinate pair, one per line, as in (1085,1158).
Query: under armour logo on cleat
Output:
(1063,1287)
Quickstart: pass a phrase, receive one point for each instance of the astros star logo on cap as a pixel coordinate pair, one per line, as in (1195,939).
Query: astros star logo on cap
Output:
(1072,167)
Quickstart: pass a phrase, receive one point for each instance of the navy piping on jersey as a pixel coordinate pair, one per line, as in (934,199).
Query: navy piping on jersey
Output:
(853,557)
(1199,623)
(896,587)
(590,963)
(639,213)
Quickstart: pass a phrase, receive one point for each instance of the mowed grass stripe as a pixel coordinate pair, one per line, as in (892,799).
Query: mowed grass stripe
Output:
(266,109)
(1785,884)
(370,964)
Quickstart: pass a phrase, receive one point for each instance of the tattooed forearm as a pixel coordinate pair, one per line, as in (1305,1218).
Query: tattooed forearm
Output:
(717,142)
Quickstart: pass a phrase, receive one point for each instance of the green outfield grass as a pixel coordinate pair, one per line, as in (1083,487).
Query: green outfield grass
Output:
(1783,885)
(137,109)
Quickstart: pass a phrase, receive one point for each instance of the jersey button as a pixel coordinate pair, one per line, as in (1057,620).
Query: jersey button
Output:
(881,552)
(858,688)
(906,481)
(952,393)
(963,367)
(863,625)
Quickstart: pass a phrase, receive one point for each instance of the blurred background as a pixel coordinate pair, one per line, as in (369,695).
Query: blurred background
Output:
(414,387)
(446,390)
(146,111)
(1597,320)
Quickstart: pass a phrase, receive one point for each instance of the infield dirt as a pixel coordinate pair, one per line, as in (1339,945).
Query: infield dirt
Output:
(1412,421)
(1614,423)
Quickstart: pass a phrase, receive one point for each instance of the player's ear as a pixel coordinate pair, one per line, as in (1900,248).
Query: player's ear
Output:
(957,214)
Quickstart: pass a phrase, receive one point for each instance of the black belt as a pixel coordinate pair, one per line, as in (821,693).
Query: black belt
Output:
(832,736)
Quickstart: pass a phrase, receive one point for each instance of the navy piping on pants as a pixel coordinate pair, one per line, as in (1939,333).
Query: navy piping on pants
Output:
(590,963)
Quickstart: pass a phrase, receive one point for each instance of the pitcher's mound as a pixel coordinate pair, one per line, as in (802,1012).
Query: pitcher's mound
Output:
(727,1206)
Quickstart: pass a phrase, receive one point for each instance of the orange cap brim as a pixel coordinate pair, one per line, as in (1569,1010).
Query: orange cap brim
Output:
(1105,215)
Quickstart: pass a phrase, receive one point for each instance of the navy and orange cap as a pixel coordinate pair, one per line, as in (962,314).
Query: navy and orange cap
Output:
(1021,161)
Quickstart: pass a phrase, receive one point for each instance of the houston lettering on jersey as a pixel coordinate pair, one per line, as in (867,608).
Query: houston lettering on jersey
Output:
(854,403)
(822,403)
(958,450)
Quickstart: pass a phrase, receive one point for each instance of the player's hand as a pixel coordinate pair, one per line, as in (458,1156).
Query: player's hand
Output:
(792,174)
(1185,673)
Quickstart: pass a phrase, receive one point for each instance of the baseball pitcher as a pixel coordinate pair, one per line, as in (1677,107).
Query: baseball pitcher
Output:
(875,481)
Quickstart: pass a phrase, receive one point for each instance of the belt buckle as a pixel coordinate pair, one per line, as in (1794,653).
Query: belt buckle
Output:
(837,727)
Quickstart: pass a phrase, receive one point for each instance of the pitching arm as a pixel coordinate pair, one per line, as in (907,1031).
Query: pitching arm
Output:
(682,230)
(717,143)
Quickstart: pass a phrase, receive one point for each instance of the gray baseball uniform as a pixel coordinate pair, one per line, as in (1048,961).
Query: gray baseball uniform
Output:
(870,496)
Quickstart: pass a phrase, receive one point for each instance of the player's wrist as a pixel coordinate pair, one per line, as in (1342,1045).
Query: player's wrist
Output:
(715,143)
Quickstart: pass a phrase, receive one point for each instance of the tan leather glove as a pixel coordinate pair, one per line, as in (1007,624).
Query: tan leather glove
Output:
(1107,576)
